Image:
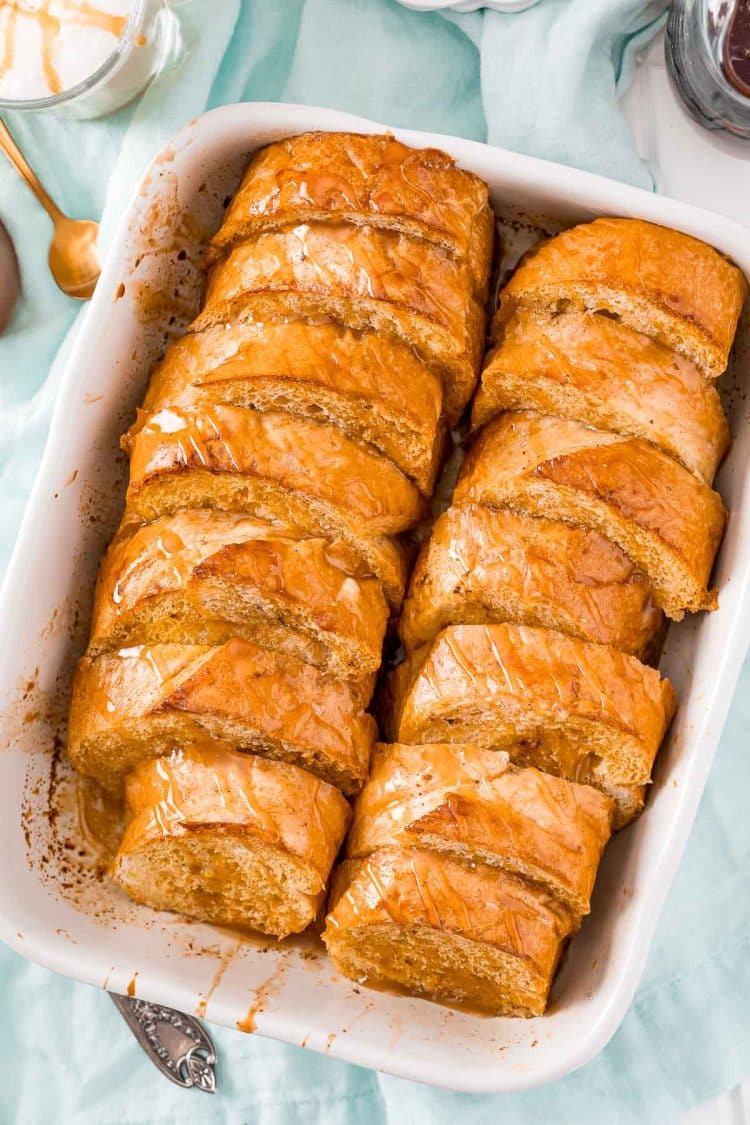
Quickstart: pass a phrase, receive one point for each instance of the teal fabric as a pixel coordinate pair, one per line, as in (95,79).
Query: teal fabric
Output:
(543,82)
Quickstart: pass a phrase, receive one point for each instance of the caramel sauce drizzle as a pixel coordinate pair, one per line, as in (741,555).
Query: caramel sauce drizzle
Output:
(9,46)
(50,21)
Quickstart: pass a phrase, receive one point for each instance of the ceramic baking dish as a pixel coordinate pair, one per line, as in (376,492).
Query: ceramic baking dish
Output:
(54,906)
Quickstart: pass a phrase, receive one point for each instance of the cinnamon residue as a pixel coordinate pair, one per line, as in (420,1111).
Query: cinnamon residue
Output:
(226,958)
(263,994)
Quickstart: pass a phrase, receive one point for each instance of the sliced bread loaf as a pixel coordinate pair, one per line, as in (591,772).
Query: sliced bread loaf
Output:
(665,519)
(277,467)
(203,576)
(476,805)
(658,281)
(581,711)
(371,386)
(481,566)
(230,838)
(364,278)
(143,701)
(426,923)
(367,180)
(595,370)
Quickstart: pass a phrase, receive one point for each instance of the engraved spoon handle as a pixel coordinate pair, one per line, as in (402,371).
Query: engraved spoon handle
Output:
(22,166)
(178,1045)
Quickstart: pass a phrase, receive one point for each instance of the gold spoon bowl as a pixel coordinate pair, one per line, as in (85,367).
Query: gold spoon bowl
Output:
(73,259)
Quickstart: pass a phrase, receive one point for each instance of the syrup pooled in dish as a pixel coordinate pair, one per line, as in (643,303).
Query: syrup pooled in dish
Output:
(49,46)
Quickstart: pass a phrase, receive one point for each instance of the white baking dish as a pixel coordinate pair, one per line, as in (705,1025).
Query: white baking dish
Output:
(54,909)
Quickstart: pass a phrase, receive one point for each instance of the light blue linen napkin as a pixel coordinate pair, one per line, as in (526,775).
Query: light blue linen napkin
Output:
(543,82)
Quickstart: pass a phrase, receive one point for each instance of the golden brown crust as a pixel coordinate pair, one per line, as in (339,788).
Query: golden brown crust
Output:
(208,794)
(668,521)
(669,285)
(595,370)
(475,804)
(372,386)
(585,712)
(457,373)
(481,566)
(364,179)
(364,278)
(204,576)
(498,941)
(275,466)
(300,456)
(141,702)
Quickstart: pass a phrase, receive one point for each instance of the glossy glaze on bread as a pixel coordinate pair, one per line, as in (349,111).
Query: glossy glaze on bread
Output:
(367,180)
(485,566)
(204,576)
(366,278)
(658,281)
(285,443)
(370,385)
(142,701)
(277,467)
(575,517)
(595,370)
(581,711)
(230,838)
(474,804)
(425,922)
(234,448)
(661,515)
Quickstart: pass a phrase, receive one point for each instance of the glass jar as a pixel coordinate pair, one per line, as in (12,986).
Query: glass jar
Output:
(148,38)
(708,58)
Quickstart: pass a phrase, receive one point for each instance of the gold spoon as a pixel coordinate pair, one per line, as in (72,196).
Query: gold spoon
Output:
(73,260)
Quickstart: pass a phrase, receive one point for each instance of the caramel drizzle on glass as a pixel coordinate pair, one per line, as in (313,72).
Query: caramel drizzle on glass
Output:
(74,11)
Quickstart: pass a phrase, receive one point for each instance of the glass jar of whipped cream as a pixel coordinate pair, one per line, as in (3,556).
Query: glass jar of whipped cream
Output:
(84,58)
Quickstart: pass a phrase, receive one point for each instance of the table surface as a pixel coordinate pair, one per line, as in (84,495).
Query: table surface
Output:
(711,170)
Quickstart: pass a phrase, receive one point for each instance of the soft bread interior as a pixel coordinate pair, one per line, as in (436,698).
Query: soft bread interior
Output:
(458,367)
(309,466)
(373,388)
(446,968)
(583,712)
(414,284)
(665,284)
(140,703)
(109,755)
(202,577)
(230,838)
(223,879)
(434,927)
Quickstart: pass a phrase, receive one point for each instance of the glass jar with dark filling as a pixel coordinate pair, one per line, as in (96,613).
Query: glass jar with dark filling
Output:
(708,58)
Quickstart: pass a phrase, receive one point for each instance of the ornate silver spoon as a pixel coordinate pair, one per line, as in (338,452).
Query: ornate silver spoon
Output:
(178,1045)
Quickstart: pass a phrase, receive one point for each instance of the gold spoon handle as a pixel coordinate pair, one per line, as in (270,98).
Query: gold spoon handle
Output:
(19,162)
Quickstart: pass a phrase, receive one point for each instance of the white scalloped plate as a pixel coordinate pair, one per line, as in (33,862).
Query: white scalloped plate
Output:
(468,5)
(54,908)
